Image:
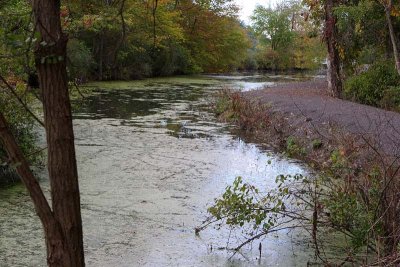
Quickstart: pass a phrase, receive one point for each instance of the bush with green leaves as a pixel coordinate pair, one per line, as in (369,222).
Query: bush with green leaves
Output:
(319,205)
(293,148)
(241,204)
(391,98)
(371,86)
(80,60)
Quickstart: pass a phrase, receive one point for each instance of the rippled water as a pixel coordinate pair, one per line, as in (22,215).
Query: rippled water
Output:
(151,158)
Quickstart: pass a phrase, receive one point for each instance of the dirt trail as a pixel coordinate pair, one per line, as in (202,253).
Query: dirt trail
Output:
(311,102)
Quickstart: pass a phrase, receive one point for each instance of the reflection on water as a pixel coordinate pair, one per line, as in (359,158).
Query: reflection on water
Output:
(151,158)
(255,81)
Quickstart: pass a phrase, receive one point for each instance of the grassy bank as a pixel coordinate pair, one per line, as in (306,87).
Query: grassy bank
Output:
(354,192)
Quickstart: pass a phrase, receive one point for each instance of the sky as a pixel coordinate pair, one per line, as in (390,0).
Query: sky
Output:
(247,7)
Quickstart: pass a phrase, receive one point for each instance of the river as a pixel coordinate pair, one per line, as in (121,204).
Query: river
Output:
(151,159)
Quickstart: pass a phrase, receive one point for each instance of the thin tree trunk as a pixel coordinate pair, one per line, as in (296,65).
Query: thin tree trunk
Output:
(101,56)
(56,256)
(50,60)
(392,36)
(334,77)
(154,9)
(120,41)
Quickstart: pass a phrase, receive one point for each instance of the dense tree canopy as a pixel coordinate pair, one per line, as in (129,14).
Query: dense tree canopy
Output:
(128,39)
(286,37)
(131,39)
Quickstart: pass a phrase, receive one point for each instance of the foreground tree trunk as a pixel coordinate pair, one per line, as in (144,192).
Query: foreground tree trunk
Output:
(334,77)
(50,60)
(62,221)
(57,256)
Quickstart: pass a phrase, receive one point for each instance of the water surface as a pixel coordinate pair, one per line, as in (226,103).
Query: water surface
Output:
(151,158)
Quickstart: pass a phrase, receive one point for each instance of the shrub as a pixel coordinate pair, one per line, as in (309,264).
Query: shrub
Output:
(248,115)
(293,148)
(391,98)
(316,144)
(371,86)
(80,61)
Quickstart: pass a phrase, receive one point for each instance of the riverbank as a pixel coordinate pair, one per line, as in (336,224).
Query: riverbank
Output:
(353,149)
(309,103)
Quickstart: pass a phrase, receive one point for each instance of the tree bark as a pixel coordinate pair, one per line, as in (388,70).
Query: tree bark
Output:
(62,223)
(50,61)
(56,254)
(331,36)
(393,40)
